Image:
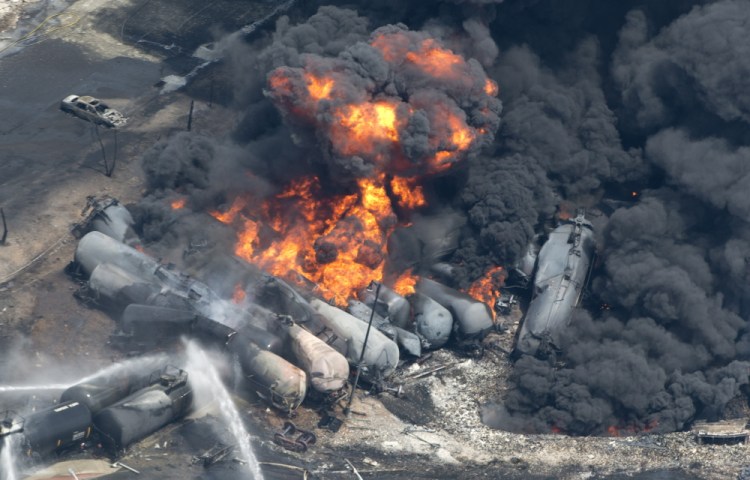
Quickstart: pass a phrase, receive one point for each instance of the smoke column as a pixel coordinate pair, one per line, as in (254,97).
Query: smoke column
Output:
(641,107)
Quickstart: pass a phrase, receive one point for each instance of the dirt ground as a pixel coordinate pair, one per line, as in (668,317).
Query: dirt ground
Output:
(50,163)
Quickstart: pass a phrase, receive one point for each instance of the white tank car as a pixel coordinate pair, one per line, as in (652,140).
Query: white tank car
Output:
(381,355)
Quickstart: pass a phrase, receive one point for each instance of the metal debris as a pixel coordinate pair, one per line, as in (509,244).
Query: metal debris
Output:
(397,392)
(330,423)
(429,372)
(353,469)
(126,467)
(411,432)
(304,471)
(734,430)
(300,444)
(214,454)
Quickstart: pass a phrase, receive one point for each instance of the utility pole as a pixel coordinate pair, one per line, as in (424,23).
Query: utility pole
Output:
(5,228)
(190,115)
(348,409)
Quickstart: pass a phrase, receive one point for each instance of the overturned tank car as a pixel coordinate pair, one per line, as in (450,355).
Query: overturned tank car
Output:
(563,267)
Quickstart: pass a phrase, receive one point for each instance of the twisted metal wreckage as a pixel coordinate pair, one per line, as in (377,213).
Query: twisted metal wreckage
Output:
(288,345)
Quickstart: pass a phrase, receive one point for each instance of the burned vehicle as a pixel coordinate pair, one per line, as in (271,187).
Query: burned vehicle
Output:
(562,270)
(93,110)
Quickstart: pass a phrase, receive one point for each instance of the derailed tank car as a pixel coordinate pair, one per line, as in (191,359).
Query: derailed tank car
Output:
(563,266)
(145,411)
(71,424)
(472,319)
(274,379)
(100,393)
(58,428)
(433,322)
(381,354)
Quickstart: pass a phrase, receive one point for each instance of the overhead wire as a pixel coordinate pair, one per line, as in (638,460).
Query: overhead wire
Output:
(45,34)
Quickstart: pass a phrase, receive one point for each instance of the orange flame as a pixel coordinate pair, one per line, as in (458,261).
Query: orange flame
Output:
(453,138)
(338,241)
(319,88)
(405,284)
(491,88)
(239,294)
(628,430)
(363,127)
(360,121)
(487,288)
(228,216)
(280,82)
(435,60)
(410,195)
(178,204)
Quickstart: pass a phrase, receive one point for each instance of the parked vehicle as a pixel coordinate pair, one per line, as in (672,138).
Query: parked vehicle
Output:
(93,110)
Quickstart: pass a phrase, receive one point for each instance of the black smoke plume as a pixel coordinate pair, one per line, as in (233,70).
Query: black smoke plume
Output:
(599,100)
(672,346)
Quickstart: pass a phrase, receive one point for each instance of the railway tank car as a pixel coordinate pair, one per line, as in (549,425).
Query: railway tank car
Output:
(145,411)
(472,319)
(563,267)
(56,429)
(71,423)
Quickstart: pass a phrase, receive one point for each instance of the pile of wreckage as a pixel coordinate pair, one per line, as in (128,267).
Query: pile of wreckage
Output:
(288,344)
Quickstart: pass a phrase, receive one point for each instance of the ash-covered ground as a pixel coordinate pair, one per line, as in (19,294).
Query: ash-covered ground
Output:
(50,163)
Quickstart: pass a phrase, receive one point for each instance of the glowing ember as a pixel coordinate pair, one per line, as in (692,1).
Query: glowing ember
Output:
(178,204)
(487,288)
